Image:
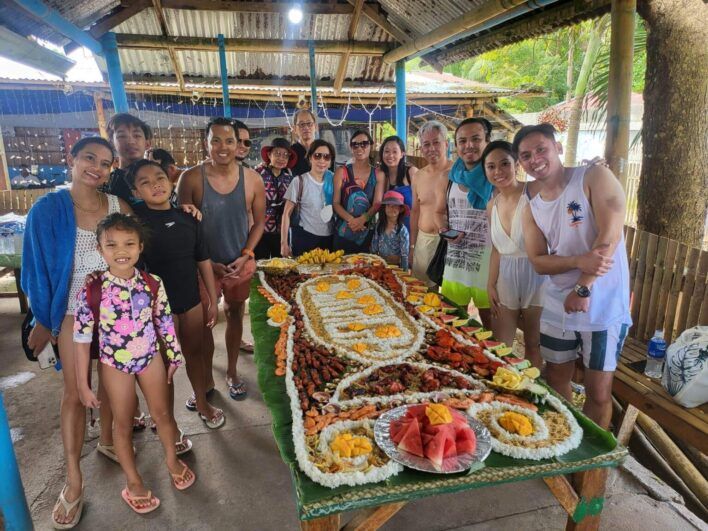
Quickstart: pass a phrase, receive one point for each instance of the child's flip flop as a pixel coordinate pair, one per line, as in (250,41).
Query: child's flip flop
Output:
(141,504)
(237,390)
(110,452)
(180,480)
(140,423)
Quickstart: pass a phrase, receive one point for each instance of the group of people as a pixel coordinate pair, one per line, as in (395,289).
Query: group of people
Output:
(131,263)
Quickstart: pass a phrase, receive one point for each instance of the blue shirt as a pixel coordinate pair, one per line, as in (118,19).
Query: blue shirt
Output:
(396,243)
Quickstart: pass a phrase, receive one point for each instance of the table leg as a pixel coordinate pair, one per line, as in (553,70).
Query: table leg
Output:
(372,519)
(591,492)
(323,523)
(20,294)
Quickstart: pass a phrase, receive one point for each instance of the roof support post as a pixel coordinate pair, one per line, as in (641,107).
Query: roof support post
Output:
(115,74)
(313,81)
(224,76)
(52,18)
(401,118)
(13,503)
(619,92)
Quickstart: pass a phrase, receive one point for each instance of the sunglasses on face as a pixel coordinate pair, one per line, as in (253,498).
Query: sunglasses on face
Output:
(360,145)
(245,142)
(321,156)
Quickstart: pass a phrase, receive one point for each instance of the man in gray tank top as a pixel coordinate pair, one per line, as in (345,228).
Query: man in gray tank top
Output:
(573,230)
(232,201)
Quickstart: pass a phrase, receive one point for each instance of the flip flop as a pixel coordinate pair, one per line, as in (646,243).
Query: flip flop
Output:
(191,403)
(179,480)
(68,507)
(247,347)
(184,444)
(215,422)
(140,423)
(134,502)
(109,451)
(237,390)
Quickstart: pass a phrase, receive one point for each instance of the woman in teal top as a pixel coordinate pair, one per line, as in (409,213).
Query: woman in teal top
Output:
(358,189)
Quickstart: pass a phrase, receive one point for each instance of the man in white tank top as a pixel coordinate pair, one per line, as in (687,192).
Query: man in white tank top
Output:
(573,231)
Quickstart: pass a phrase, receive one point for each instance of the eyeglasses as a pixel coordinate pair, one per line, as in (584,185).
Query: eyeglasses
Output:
(280,154)
(360,145)
(245,142)
(305,125)
(321,156)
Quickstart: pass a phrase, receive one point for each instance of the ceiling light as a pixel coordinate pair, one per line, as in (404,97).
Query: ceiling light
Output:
(295,14)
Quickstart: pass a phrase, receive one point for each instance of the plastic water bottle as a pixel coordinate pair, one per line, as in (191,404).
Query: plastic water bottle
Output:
(656,352)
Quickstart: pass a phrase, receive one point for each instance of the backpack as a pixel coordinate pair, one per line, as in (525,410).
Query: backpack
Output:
(686,368)
(356,202)
(93,296)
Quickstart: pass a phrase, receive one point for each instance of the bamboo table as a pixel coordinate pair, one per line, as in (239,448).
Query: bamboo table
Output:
(13,262)
(319,507)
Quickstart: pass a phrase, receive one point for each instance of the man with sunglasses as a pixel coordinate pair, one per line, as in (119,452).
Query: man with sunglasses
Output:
(305,125)
(232,201)
(244,143)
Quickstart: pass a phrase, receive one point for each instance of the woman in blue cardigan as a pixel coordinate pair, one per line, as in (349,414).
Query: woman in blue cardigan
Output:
(59,251)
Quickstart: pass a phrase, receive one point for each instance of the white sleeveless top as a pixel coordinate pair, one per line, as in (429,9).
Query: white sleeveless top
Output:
(569,226)
(509,244)
(87,259)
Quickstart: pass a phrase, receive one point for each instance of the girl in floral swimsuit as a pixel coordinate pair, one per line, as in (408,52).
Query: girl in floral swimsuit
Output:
(132,319)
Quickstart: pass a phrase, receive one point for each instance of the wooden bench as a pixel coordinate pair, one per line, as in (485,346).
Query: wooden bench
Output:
(668,292)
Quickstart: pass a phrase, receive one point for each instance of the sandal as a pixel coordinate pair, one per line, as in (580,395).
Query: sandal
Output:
(237,390)
(191,403)
(184,444)
(68,507)
(140,423)
(109,451)
(140,504)
(216,421)
(247,347)
(180,480)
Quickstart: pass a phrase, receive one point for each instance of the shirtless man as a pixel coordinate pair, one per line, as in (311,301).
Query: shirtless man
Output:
(427,182)
(232,199)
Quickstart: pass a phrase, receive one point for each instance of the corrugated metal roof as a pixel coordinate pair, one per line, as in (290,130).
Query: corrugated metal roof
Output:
(187,23)
(423,17)
(80,12)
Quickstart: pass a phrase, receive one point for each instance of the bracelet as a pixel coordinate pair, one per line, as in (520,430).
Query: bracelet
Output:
(247,252)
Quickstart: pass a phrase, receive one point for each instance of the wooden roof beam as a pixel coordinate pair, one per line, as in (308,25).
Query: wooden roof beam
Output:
(344,59)
(374,16)
(157,6)
(470,20)
(147,42)
(315,8)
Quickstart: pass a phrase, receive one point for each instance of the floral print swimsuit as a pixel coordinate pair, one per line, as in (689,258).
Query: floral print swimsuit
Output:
(129,323)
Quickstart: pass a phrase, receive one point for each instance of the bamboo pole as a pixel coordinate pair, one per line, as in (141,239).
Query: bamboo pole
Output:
(468,21)
(619,92)
(147,42)
(100,115)
(673,454)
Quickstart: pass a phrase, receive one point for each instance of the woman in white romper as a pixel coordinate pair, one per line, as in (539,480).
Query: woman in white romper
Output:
(514,287)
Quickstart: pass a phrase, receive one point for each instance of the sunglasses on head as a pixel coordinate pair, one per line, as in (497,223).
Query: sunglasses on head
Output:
(362,144)
(245,142)
(321,156)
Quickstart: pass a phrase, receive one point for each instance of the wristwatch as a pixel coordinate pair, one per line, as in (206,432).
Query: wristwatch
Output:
(582,291)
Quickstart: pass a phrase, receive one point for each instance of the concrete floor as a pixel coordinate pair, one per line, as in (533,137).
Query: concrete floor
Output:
(242,482)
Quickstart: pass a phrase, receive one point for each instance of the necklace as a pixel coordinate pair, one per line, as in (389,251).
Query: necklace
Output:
(89,211)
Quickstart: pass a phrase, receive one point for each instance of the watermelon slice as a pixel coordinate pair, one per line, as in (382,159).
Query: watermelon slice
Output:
(450,449)
(447,308)
(471,330)
(426,437)
(398,429)
(411,441)
(491,345)
(447,319)
(435,449)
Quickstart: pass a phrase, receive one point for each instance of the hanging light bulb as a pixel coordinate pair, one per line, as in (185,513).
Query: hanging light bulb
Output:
(295,14)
